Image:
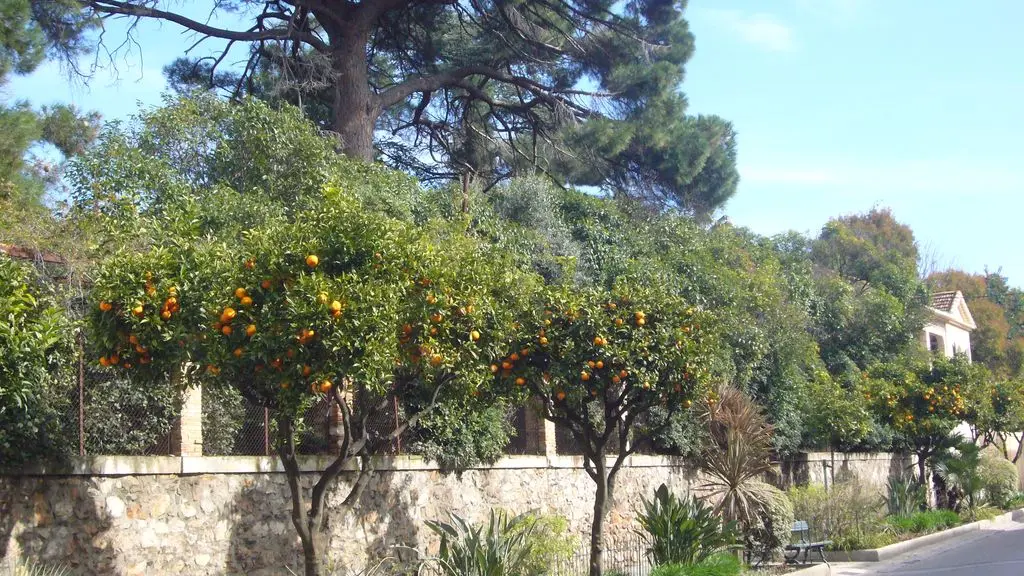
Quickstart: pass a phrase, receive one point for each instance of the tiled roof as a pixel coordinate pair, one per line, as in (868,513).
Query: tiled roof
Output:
(943,301)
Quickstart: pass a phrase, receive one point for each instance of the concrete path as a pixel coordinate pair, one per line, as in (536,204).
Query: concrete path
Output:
(996,550)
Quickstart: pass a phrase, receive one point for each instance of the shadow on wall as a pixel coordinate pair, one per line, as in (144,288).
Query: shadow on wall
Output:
(379,532)
(263,541)
(53,521)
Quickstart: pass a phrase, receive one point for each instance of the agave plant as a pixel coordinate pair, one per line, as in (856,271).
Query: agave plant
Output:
(29,568)
(682,531)
(737,456)
(904,497)
(501,548)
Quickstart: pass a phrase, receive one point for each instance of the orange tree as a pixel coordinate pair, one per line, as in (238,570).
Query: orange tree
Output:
(923,402)
(346,304)
(612,367)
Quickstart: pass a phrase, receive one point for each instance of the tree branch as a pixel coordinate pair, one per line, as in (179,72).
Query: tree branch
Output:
(115,7)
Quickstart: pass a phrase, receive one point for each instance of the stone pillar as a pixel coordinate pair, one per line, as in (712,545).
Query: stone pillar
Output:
(335,431)
(187,433)
(540,432)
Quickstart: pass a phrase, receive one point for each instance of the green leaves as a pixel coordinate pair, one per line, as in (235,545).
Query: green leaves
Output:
(683,531)
(502,547)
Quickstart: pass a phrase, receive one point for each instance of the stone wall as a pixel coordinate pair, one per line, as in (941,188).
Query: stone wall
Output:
(826,468)
(238,523)
(229,515)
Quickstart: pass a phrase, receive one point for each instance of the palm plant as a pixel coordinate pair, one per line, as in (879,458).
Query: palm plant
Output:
(28,568)
(959,469)
(501,548)
(737,455)
(682,531)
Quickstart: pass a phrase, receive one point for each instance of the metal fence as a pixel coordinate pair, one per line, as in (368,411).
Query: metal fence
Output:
(110,413)
(627,555)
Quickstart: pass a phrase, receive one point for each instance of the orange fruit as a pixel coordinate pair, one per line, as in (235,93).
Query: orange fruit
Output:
(506,365)
(226,330)
(436,359)
(140,349)
(335,306)
(543,341)
(616,379)
(312,260)
(514,357)
(640,321)
(612,306)
(433,331)
(228,315)
(104,361)
(246,301)
(238,352)
(250,264)
(306,370)
(687,403)
(166,314)
(406,329)
(138,310)
(114,359)
(265,284)
(133,339)
(618,322)
(560,395)
(469,309)
(285,385)
(623,374)
(474,335)
(250,330)
(524,352)
(494,368)
(585,376)
(598,341)
(276,363)
(591,363)
(325,386)
(436,317)
(144,360)
(173,290)
(431,299)
(105,306)
(240,292)
(520,381)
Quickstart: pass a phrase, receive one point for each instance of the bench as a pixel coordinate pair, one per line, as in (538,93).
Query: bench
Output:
(804,545)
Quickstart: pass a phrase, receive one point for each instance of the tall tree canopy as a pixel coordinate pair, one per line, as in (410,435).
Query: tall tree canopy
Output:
(998,310)
(586,91)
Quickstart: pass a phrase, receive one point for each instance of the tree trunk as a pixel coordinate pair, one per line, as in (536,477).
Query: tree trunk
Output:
(355,107)
(311,553)
(600,510)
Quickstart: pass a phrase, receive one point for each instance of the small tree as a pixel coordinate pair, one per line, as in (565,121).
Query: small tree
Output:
(346,305)
(600,361)
(922,404)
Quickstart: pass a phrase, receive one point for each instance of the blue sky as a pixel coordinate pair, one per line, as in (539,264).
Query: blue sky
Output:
(840,105)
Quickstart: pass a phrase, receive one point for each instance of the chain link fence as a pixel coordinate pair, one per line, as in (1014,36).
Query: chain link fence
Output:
(626,555)
(109,413)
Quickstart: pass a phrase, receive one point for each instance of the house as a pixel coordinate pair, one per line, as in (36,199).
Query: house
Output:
(949,326)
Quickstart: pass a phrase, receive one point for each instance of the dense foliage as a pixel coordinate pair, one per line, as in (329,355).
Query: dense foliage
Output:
(35,360)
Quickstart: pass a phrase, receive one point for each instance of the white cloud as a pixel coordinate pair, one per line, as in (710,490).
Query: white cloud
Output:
(762,30)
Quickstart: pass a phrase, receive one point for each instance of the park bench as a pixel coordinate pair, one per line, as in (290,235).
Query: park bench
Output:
(804,545)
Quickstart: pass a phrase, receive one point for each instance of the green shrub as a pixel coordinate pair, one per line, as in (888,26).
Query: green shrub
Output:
(924,522)
(682,531)
(986,512)
(35,345)
(848,514)
(999,477)
(721,564)
(549,541)
(1016,501)
(774,524)
(500,548)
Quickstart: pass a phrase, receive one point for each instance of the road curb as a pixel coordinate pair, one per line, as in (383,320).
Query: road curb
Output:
(899,548)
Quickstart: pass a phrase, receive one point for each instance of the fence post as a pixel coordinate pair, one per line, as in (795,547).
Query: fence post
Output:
(81,395)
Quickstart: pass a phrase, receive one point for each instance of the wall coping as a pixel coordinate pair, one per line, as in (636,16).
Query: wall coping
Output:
(192,465)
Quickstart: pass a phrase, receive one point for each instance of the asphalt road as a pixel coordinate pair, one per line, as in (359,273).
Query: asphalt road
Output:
(994,551)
